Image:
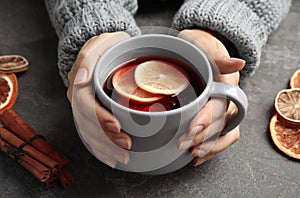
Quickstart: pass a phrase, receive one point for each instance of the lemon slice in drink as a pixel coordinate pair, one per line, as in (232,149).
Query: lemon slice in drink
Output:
(124,84)
(161,77)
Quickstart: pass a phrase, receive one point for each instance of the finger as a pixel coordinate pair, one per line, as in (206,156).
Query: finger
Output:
(98,44)
(205,153)
(122,139)
(105,159)
(88,56)
(102,157)
(93,111)
(214,108)
(111,140)
(201,134)
(106,148)
(215,50)
(231,112)
(87,53)
(227,65)
(200,160)
(218,145)
(232,78)
(96,131)
(187,141)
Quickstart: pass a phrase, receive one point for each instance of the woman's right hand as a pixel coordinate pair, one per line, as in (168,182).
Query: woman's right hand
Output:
(99,129)
(212,118)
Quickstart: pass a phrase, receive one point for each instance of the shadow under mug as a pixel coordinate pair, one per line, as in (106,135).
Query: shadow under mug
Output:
(155,134)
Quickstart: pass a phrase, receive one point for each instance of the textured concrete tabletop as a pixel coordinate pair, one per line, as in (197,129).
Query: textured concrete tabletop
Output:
(252,167)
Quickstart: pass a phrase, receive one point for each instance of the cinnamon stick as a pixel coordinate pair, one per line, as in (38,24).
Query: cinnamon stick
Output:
(38,148)
(65,178)
(50,181)
(16,142)
(41,172)
(17,125)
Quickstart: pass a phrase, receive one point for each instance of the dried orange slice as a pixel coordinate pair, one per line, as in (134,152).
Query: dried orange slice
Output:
(285,137)
(287,105)
(161,77)
(123,82)
(295,80)
(8,91)
(13,64)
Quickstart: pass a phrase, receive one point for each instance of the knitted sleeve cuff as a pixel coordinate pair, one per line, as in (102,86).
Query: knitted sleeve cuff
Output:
(90,20)
(240,22)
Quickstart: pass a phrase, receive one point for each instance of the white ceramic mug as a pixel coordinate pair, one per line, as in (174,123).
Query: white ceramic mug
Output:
(155,134)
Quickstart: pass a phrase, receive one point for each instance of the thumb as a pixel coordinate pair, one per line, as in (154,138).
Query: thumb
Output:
(229,65)
(91,52)
(82,76)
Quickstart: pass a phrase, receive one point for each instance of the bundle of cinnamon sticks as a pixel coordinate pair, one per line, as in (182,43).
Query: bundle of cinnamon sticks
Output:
(31,150)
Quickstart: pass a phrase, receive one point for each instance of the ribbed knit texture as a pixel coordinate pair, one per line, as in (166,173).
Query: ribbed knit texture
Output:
(75,21)
(246,23)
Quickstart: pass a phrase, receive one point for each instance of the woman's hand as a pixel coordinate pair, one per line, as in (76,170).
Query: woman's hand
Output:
(99,129)
(214,116)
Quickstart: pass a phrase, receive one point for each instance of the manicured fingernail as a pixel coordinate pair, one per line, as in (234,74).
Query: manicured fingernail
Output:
(81,76)
(185,144)
(123,158)
(112,127)
(198,153)
(108,162)
(198,162)
(124,143)
(195,130)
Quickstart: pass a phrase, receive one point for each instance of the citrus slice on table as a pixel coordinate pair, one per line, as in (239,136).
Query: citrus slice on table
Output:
(124,84)
(161,77)
(295,79)
(8,91)
(286,138)
(13,64)
(287,105)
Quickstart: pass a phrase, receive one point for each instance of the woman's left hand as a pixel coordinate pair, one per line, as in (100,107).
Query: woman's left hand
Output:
(215,114)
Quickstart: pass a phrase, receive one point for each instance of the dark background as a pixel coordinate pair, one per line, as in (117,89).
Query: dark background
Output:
(252,167)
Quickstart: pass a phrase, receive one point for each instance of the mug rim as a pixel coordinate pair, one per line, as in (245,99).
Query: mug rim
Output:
(186,107)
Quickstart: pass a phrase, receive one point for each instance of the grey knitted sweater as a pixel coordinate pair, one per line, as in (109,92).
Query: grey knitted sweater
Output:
(246,23)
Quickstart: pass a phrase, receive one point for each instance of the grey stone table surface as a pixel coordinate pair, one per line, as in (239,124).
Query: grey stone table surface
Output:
(252,167)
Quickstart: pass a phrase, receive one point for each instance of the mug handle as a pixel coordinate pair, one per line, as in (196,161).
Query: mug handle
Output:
(236,95)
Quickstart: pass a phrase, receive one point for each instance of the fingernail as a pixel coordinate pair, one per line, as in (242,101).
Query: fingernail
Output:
(112,127)
(124,143)
(123,158)
(198,162)
(81,76)
(185,144)
(195,130)
(198,153)
(110,163)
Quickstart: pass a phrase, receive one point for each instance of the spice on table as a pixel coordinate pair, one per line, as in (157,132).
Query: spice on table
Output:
(285,123)
(23,147)
(13,64)
(65,177)
(40,171)
(19,134)
(8,91)
(18,139)
(16,124)
(295,79)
